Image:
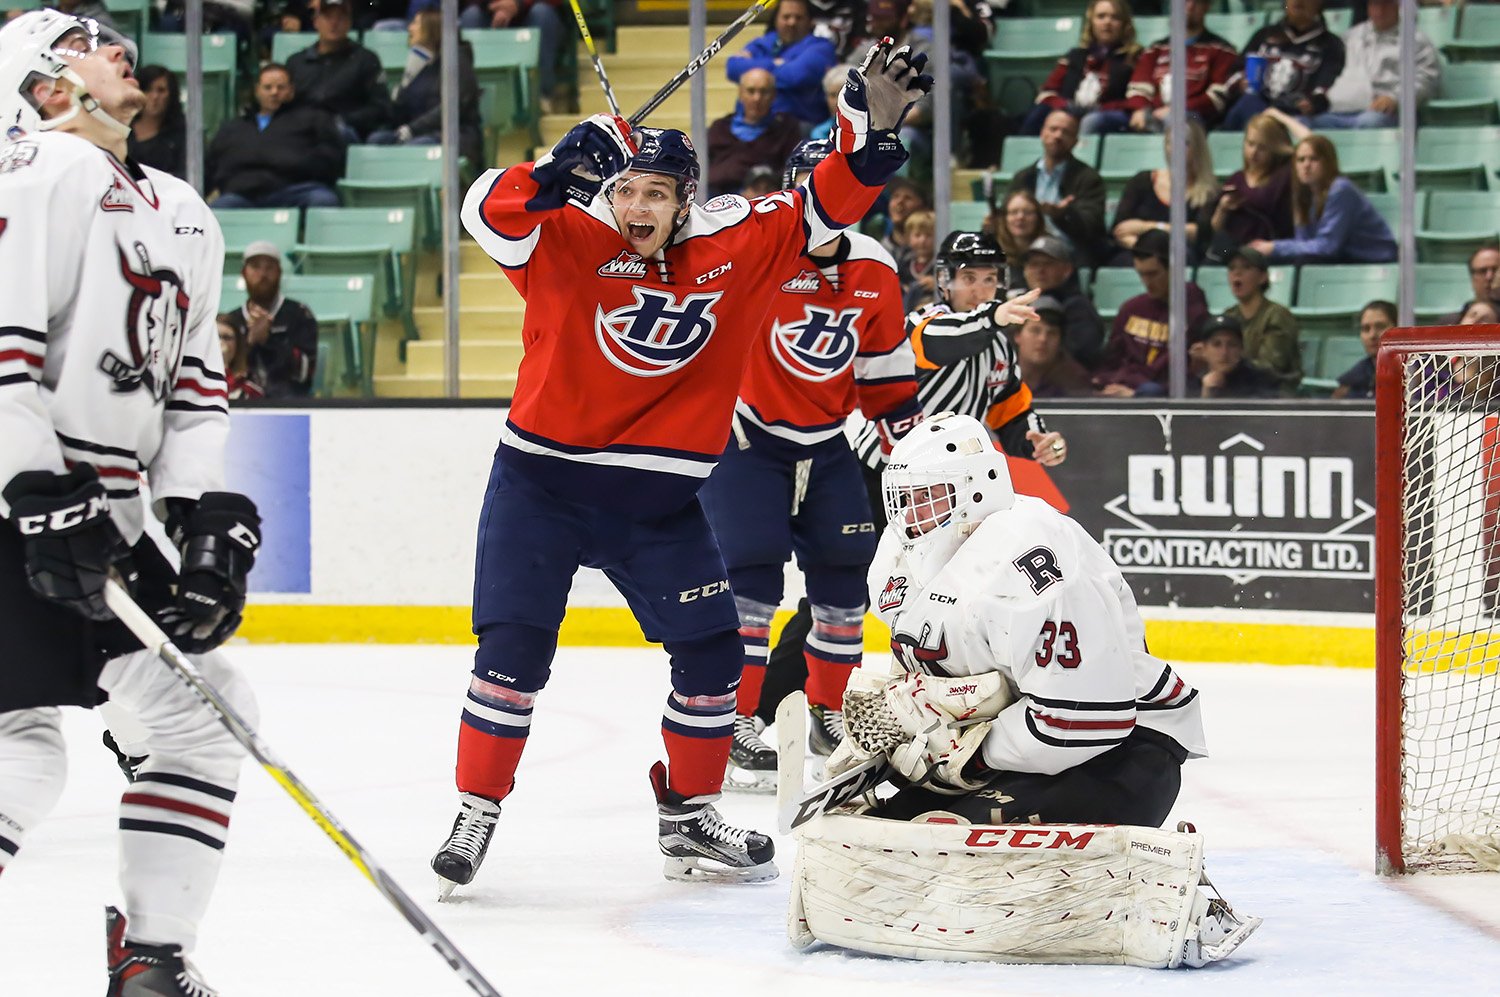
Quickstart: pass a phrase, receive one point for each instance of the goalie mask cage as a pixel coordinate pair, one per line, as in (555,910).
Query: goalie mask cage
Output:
(1437,600)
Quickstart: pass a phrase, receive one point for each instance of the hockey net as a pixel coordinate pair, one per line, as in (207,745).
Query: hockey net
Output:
(1438,600)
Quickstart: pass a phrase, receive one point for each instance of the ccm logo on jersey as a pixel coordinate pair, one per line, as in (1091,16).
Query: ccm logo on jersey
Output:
(704,591)
(946,600)
(1027,837)
(717,271)
(821,346)
(867,294)
(59,520)
(894,593)
(627,264)
(851,528)
(658,334)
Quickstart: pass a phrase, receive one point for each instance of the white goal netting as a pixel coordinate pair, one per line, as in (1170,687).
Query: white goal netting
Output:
(1450,612)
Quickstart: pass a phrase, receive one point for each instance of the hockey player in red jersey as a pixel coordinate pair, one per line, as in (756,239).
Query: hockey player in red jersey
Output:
(788,482)
(641,309)
(110,367)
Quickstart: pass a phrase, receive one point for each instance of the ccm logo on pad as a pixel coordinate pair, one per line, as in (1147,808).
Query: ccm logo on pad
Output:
(1027,837)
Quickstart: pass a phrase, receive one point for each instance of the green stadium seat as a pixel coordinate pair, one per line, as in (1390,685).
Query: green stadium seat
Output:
(967,216)
(1021,151)
(1439,24)
(130,16)
(219,54)
(1338,354)
(1228,152)
(409,176)
(1338,19)
(1023,52)
(1214,282)
(1389,206)
(1457,223)
(1233,28)
(505,65)
(1442,288)
(1457,158)
(1478,37)
(391,48)
(1151,28)
(1124,155)
(243,226)
(1330,296)
(1466,96)
(286,43)
(1111,287)
(378,241)
(1367,156)
(1311,351)
(1283,284)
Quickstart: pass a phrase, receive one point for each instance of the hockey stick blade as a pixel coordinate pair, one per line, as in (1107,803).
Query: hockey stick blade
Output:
(796,804)
(139,623)
(687,72)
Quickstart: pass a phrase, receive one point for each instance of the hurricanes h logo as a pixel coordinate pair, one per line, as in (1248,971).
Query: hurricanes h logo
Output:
(658,334)
(819,347)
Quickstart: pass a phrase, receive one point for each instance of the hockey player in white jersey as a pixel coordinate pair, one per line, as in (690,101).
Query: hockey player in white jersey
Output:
(1026,710)
(110,368)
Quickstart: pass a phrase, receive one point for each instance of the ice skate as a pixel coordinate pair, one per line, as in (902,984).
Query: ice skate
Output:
(825,734)
(137,970)
(700,846)
(1219,929)
(459,858)
(752,762)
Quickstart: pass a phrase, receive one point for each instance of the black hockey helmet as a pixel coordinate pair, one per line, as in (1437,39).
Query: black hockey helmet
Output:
(669,152)
(966,249)
(808,154)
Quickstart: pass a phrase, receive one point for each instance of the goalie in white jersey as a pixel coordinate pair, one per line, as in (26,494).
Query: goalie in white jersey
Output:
(1024,696)
(110,367)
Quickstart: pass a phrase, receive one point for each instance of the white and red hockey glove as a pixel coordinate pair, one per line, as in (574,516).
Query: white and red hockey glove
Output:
(946,721)
(894,425)
(595,151)
(878,94)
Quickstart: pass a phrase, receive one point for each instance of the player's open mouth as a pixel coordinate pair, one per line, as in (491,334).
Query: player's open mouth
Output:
(639,232)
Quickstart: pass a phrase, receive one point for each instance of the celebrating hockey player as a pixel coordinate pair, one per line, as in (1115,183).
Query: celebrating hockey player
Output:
(965,363)
(1024,696)
(110,366)
(641,310)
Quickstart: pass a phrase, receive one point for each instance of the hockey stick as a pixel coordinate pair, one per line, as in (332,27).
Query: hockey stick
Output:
(795,803)
(588,43)
(700,60)
(148,633)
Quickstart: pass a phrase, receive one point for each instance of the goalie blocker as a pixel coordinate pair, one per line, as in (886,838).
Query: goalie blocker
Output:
(1020,893)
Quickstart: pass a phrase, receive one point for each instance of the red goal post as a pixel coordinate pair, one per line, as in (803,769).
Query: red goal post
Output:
(1437,599)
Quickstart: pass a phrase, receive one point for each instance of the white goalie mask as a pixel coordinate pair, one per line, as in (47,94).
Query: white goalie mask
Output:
(942,480)
(41,46)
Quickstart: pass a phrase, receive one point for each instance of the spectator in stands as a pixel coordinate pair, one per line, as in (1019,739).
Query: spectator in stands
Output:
(833,85)
(1046,367)
(1210,62)
(1484,268)
(883,19)
(1288,65)
(1089,82)
(970,27)
(284,154)
(1220,344)
(158,136)
(1334,222)
(1374,320)
(838,21)
(1480,313)
(1256,202)
(542,15)
(340,76)
(1365,93)
(1069,191)
(902,197)
(1145,203)
(1016,226)
(1136,356)
(914,265)
(760,181)
(417,104)
(753,135)
(234,343)
(282,333)
(1049,268)
(1268,330)
(795,56)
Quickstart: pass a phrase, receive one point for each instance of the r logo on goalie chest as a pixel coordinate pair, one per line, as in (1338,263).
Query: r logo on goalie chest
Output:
(1039,565)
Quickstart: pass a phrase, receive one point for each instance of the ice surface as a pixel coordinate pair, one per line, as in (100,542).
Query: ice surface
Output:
(571,900)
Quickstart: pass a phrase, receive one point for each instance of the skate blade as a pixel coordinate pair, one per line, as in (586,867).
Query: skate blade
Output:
(696,870)
(445,888)
(1213,953)
(738,780)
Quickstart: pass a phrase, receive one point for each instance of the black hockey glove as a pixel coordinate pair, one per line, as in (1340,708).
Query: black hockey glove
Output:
(71,544)
(875,100)
(218,536)
(594,151)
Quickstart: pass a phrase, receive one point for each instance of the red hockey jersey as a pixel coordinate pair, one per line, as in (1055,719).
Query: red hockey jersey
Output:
(836,335)
(631,367)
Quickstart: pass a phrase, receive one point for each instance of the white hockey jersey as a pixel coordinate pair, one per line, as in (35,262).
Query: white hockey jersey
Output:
(109,354)
(1031,595)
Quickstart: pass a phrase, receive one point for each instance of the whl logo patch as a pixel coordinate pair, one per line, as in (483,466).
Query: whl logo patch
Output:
(894,593)
(806,282)
(659,334)
(819,347)
(627,264)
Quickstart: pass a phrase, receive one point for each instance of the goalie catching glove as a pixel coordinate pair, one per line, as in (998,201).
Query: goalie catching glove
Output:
(594,151)
(218,536)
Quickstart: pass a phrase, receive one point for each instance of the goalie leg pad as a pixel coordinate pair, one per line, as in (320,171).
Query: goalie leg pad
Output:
(1028,893)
